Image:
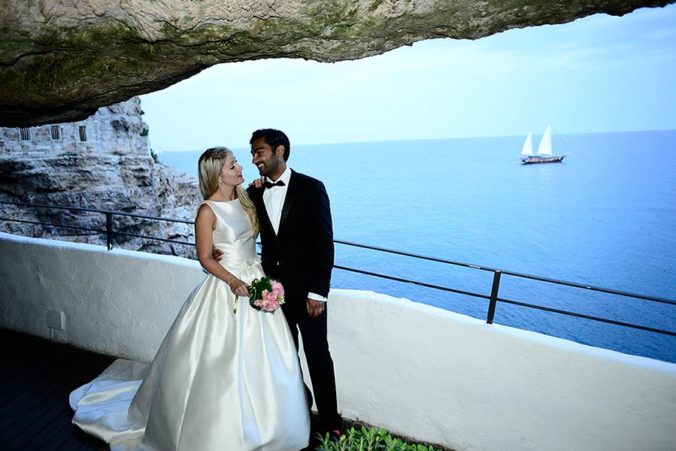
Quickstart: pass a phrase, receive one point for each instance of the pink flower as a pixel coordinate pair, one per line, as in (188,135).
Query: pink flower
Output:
(269,296)
(277,288)
(266,294)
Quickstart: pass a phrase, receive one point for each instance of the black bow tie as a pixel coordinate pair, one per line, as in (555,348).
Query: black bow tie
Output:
(270,184)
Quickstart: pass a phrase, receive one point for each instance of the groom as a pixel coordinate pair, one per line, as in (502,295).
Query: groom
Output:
(297,249)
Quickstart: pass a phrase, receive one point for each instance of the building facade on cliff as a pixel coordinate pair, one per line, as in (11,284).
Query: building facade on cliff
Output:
(115,128)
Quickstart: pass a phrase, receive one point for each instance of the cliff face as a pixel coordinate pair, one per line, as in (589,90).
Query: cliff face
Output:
(60,60)
(103,163)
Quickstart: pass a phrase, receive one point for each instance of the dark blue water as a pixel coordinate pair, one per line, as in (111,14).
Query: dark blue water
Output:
(605,217)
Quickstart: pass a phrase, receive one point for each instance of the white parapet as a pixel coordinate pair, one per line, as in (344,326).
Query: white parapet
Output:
(416,370)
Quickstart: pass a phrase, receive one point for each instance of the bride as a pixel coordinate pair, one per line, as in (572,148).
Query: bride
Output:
(223,378)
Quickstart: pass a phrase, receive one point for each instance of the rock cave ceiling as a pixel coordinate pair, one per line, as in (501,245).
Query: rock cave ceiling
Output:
(60,60)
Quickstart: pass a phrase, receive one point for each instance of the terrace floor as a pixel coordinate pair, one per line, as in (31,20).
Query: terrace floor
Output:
(37,377)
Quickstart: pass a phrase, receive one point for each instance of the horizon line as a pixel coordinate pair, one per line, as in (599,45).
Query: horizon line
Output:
(439,139)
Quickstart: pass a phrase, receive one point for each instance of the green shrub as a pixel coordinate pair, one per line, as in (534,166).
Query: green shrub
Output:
(369,439)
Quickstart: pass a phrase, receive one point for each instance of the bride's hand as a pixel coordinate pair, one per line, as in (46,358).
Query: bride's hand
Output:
(238,288)
(258,183)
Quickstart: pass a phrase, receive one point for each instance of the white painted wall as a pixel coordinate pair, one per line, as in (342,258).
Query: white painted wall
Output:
(413,369)
(116,302)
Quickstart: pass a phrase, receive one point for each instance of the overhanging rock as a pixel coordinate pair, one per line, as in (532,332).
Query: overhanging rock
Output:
(60,60)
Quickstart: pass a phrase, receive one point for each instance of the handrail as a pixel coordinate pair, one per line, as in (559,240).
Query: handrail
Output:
(493,298)
(511,273)
(96,210)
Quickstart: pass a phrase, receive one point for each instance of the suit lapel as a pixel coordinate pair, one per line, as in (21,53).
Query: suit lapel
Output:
(291,196)
(263,217)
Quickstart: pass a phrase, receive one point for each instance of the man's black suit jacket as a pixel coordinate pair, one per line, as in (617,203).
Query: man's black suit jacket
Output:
(301,254)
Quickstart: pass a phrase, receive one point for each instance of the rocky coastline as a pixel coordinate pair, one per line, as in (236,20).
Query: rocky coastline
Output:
(112,169)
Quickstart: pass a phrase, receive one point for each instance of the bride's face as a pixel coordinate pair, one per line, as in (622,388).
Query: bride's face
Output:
(231,173)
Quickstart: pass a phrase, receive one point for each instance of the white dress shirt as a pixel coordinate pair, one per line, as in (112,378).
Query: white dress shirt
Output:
(274,198)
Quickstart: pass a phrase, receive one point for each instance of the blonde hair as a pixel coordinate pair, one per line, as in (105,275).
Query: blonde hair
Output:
(209,168)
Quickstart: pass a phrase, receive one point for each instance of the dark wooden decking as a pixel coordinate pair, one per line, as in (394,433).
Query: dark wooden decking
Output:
(36,378)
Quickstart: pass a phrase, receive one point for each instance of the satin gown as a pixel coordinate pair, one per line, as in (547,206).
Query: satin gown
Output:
(220,381)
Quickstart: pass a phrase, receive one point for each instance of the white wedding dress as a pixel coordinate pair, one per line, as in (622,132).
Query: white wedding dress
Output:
(219,382)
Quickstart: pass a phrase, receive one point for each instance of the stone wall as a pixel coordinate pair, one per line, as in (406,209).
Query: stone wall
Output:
(115,128)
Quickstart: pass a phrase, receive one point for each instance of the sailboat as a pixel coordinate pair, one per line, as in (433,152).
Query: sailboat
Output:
(544,150)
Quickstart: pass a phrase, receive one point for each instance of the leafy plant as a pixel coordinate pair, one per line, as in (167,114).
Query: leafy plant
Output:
(369,439)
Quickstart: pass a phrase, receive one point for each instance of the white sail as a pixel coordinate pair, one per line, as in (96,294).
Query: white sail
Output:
(545,147)
(527,149)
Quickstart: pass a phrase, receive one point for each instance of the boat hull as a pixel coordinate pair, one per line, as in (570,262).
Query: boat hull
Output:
(538,160)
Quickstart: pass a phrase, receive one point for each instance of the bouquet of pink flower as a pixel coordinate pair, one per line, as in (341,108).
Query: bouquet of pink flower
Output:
(265,294)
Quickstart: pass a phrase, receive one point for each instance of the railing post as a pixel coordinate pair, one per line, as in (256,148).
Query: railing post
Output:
(494,297)
(109,229)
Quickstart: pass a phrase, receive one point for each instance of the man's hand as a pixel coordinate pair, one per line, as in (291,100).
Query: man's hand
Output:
(314,308)
(217,254)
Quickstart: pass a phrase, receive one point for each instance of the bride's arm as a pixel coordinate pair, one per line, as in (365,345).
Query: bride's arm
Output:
(205,222)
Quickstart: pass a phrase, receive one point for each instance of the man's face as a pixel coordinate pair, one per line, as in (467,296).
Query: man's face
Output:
(265,159)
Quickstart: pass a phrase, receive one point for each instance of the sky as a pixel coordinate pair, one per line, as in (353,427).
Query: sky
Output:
(597,74)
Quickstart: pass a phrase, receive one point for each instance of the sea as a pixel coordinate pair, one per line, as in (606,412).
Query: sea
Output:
(604,217)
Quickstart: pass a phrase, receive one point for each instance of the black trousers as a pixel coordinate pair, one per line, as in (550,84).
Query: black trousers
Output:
(319,361)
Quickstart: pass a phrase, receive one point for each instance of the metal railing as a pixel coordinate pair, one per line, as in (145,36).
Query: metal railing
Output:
(493,299)
(109,230)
